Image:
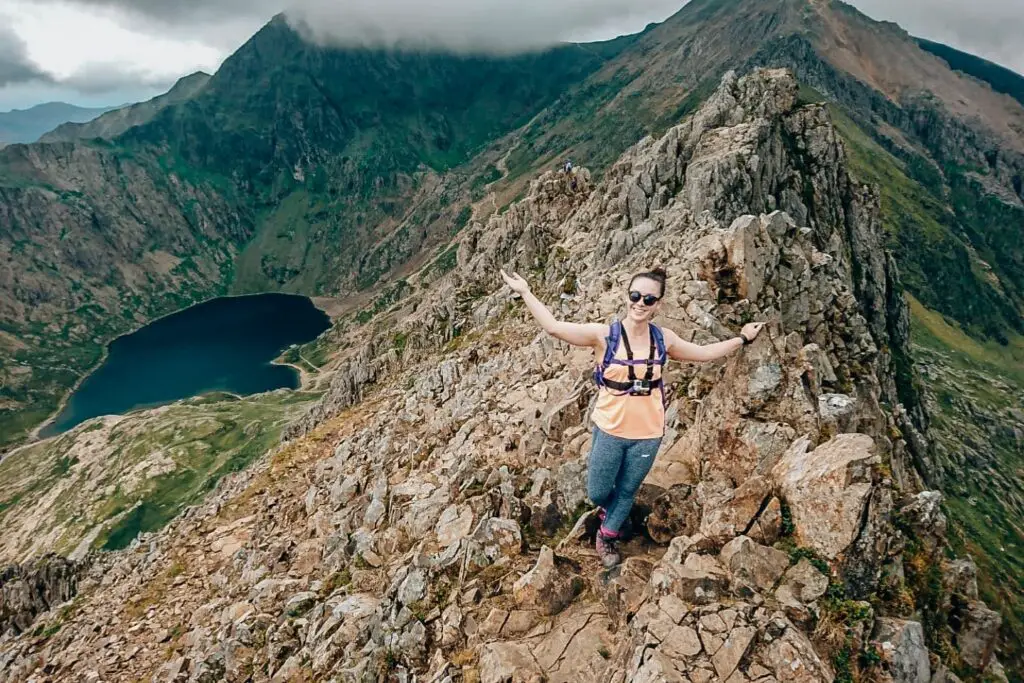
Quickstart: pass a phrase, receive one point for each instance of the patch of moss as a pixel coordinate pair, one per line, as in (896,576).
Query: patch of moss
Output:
(811,556)
(788,528)
(383,302)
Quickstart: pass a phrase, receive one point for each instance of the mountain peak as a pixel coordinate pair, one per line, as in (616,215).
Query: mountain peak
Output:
(197,75)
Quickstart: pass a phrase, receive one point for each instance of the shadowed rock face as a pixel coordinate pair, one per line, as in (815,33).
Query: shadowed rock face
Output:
(394,533)
(28,590)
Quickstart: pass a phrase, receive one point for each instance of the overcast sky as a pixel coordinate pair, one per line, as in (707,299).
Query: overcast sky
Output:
(99,52)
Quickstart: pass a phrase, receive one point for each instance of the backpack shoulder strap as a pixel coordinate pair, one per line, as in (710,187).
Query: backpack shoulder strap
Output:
(659,342)
(612,342)
(611,346)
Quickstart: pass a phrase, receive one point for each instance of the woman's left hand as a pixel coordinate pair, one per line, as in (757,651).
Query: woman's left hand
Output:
(516,283)
(751,330)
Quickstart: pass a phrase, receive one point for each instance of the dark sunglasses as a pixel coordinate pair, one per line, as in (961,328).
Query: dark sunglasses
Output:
(649,299)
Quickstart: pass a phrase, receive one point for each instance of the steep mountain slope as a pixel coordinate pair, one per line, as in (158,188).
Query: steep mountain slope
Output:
(113,123)
(1000,78)
(27,125)
(288,145)
(976,400)
(95,240)
(424,518)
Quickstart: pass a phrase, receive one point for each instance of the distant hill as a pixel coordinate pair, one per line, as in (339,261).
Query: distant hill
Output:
(1000,78)
(113,123)
(26,125)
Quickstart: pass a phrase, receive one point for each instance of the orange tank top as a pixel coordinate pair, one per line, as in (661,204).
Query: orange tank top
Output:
(625,416)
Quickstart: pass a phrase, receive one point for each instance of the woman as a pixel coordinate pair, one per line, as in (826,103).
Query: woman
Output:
(629,417)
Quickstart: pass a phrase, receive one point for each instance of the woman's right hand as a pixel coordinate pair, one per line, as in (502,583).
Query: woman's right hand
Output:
(751,330)
(516,283)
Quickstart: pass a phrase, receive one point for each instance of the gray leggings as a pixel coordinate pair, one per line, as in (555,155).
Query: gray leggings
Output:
(615,471)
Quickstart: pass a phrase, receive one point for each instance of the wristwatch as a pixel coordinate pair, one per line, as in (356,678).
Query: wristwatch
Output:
(745,340)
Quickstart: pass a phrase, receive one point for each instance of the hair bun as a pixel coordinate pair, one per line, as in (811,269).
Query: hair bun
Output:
(657,274)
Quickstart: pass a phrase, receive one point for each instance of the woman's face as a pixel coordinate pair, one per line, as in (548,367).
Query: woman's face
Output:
(639,311)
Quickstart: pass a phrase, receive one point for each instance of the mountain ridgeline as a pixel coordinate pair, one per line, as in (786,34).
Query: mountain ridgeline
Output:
(288,145)
(27,125)
(113,123)
(371,176)
(999,77)
(376,156)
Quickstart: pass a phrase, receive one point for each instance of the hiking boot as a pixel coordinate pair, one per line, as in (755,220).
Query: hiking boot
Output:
(607,550)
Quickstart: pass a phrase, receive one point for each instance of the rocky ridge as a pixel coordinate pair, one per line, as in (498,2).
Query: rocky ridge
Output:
(112,123)
(426,520)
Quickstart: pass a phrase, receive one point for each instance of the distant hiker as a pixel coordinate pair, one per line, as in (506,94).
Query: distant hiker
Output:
(572,176)
(629,417)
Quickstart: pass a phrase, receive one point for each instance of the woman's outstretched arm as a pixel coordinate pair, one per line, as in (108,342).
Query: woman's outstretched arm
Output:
(678,349)
(588,334)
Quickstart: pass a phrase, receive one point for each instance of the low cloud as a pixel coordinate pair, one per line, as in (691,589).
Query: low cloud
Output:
(989,28)
(993,29)
(459,25)
(467,25)
(96,78)
(15,66)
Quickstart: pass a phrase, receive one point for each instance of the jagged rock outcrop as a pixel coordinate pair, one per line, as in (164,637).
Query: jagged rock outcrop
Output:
(425,518)
(828,490)
(26,591)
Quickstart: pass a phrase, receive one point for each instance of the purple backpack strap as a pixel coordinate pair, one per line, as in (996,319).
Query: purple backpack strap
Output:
(611,346)
(659,343)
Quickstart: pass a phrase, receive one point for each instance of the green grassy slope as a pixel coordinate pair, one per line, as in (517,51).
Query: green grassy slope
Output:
(107,481)
(959,249)
(978,417)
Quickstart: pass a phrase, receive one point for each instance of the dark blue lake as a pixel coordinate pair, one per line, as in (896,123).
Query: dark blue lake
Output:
(226,344)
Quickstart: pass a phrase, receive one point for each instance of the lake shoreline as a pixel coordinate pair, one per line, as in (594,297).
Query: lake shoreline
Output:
(34,435)
(323,304)
(305,376)
(330,305)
